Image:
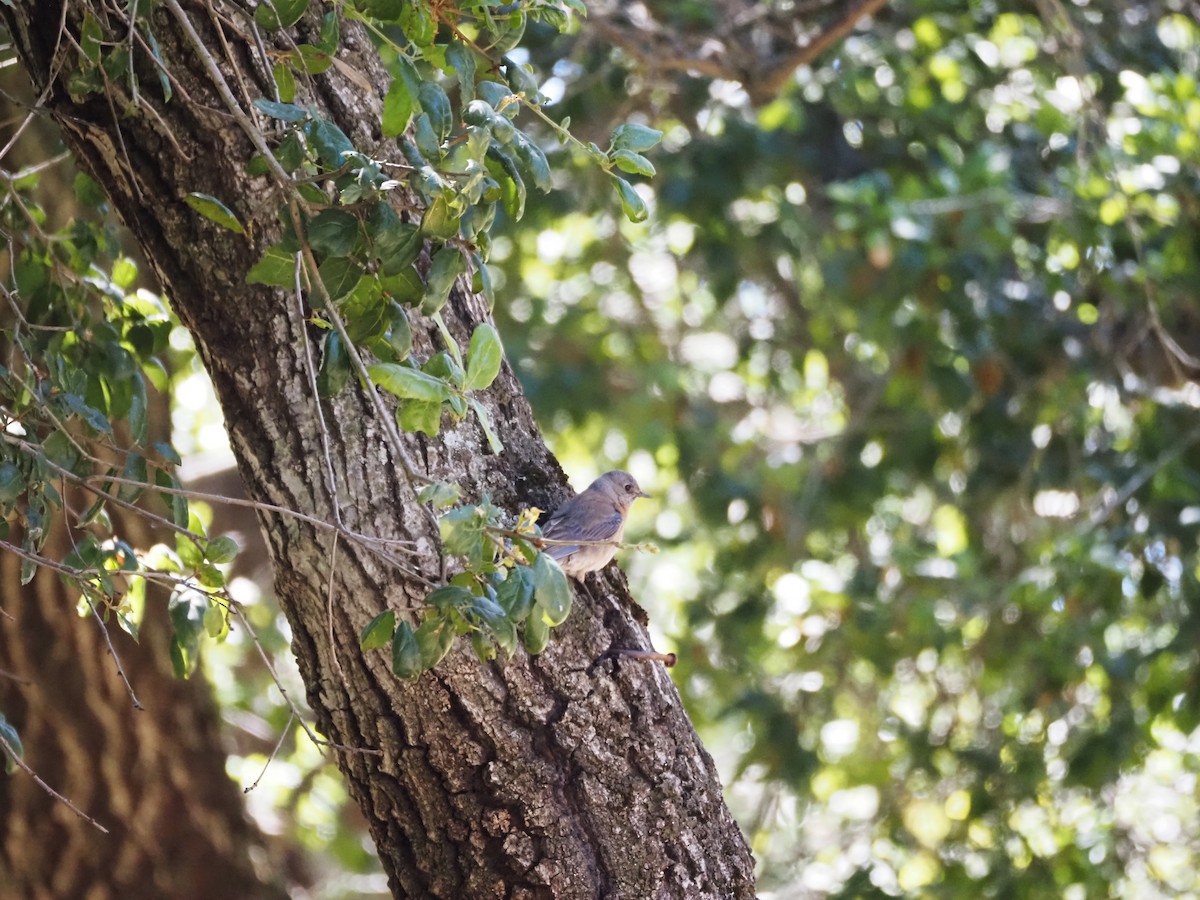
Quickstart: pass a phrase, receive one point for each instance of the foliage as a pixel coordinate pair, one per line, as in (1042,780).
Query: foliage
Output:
(913,346)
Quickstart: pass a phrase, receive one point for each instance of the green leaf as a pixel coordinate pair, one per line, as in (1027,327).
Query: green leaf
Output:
(214,210)
(504,168)
(334,372)
(399,335)
(462,58)
(379,631)
(635,163)
(395,242)
(216,622)
(286,112)
(492,615)
(440,221)
(434,637)
(521,80)
(449,596)
(139,422)
(420,416)
(635,138)
(535,161)
(311,60)
(406,653)
(485,422)
(12,483)
(329,141)
(397,108)
(408,383)
(13,739)
(441,494)
(186,608)
(333,232)
(177,504)
(222,549)
(330,32)
(631,202)
(135,470)
(277,268)
(275,14)
(340,275)
(462,532)
(93,417)
(445,266)
(285,84)
(437,105)
(515,593)
(484,356)
(537,633)
(404,286)
(551,589)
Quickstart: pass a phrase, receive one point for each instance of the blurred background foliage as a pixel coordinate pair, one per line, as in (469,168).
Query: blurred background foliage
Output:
(908,353)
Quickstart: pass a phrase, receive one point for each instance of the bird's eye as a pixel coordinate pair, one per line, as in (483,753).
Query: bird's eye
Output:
(629,488)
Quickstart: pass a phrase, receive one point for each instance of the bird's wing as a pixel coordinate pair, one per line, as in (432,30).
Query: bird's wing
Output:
(573,526)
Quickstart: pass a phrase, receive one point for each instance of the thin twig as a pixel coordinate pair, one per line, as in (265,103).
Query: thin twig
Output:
(318,741)
(137,704)
(270,759)
(21,764)
(337,663)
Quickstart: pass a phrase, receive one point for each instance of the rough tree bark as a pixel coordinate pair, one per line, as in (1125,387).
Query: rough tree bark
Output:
(527,777)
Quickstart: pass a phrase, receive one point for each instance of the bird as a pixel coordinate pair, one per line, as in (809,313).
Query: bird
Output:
(597,514)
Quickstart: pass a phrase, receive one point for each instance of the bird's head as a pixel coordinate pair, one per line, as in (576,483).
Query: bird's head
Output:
(618,486)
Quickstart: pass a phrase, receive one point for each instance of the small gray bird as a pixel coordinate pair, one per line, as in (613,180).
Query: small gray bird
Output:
(598,514)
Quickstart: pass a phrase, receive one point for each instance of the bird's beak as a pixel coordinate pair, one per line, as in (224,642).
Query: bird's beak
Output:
(642,493)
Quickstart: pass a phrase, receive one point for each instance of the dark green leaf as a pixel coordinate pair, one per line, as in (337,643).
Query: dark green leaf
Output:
(406,654)
(135,470)
(175,503)
(12,483)
(329,141)
(434,637)
(333,232)
(334,372)
(437,105)
(445,266)
(515,593)
(449,596)
(339,275)
(399,335)
(287,112)
(379,631)
(462,58)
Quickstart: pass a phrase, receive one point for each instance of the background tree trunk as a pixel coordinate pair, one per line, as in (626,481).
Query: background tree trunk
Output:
(543,777)
(155,777)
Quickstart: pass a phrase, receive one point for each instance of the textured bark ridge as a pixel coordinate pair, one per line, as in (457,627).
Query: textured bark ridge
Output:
(545,777)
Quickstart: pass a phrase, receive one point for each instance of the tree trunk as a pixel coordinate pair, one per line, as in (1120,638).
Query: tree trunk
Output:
(155,777)
(525,777)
